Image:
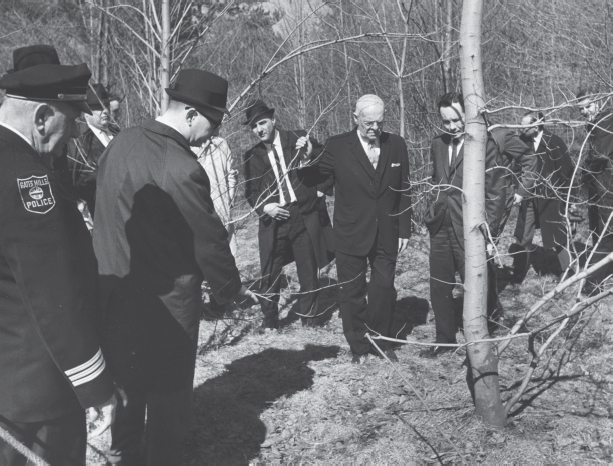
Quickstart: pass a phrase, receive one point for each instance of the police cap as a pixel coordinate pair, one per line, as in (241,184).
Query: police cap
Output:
(49,82)
(32,55)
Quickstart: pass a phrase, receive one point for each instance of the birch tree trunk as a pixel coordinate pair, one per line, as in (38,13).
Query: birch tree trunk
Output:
(483,367)
(165,56)
(447,41)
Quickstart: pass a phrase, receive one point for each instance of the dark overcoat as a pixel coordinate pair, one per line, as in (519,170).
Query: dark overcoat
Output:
(261,189)
(50,360)
(368,203)
(448,184)
(156,237)
(554,170)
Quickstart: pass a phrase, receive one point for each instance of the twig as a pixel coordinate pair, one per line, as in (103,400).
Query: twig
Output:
(372,342)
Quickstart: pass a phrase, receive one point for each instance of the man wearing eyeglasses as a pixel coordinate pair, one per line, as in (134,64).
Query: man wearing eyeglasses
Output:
(372,221)
(157,237)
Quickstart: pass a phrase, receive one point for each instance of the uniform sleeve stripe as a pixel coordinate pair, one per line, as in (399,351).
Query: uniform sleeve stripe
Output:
(86,365)
(75,378)
(92,376)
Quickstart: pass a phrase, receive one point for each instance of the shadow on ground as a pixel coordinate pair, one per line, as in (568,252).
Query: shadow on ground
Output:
(228,429)
(411,311)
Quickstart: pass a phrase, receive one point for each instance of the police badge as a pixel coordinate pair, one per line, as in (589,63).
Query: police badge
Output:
(36,194)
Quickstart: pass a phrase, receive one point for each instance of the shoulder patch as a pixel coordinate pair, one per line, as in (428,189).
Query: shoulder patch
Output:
(36,194)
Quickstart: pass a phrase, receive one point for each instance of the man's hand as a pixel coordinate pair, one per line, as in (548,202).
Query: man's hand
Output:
(275,211)
(107,410)
(246,293)
(402,244)
(489,249)
(320,194)
(304,148)
(517,199)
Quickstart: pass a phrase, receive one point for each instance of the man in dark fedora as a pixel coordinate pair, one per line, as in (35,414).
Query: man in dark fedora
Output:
(85,151)
(292,223)
(157,237)
(50,359)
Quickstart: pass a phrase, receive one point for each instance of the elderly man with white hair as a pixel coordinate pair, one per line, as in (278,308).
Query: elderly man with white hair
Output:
(372,221)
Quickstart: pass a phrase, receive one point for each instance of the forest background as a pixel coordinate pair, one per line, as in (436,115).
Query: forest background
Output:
(286,396)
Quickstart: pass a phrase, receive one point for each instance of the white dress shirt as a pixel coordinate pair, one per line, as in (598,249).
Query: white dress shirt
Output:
(271,157)
(537,140)
(103,136)
(459,145)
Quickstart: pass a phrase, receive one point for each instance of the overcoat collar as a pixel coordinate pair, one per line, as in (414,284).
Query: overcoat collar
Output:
(164,130)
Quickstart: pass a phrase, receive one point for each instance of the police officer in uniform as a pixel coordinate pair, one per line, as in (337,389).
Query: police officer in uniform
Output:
(51,364)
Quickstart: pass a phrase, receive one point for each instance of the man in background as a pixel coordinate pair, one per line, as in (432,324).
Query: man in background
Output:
(544,210)
(292,225)
(444,217)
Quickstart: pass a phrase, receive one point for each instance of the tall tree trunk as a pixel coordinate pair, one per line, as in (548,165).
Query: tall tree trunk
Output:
(447,41)
(165,57)
(346,59)
(482,356)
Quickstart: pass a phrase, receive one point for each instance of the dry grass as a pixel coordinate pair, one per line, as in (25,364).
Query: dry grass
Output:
(292,396)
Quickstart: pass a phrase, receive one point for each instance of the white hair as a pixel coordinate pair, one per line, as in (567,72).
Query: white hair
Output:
(367,101)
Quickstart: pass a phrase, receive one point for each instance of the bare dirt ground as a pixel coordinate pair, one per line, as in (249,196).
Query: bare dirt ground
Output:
(292,396)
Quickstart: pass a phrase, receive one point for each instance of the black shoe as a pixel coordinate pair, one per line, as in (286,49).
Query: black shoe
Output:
(270,321)
(358,359)
(391,355)
(435,351)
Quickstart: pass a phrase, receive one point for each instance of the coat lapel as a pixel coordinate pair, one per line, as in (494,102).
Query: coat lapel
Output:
(383,154)
(358,152)
(458,160)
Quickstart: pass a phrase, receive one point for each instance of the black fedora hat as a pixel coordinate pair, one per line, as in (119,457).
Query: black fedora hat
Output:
(203,90)
(32,55)
(49,83)
(97,97)
(257,109)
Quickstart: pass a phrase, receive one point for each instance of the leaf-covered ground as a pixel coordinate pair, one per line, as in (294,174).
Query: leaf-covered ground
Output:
(293,396)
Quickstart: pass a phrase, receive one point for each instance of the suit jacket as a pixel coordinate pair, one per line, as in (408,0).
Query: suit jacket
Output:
(448,183)
(50,360)
(156,236)
(261,189)
(519,158)
(554,170)
(599,161)
(84,176)
(369,204)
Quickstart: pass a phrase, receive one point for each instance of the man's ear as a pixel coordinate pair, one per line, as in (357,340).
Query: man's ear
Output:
(355,118)
(189,117)
(41,115)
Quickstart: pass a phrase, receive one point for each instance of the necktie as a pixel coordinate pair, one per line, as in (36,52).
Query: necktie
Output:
(284,196)
(454,153)
(372,154)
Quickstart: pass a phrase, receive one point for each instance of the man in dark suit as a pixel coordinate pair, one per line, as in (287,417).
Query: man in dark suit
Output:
(444,217)
(553,173)
(87,149)
(372,220)
(292,224)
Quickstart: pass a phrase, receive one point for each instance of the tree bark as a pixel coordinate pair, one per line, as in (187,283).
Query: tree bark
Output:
(483,367)
(447,40)
(165,56)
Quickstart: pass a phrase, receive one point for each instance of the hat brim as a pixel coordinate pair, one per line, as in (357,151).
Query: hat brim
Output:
(196,104)
(270,111)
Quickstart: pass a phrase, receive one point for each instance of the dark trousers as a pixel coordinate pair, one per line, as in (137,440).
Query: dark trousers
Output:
(291,240)
(447,258)
(167,426)
(61,442)
(359,313)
